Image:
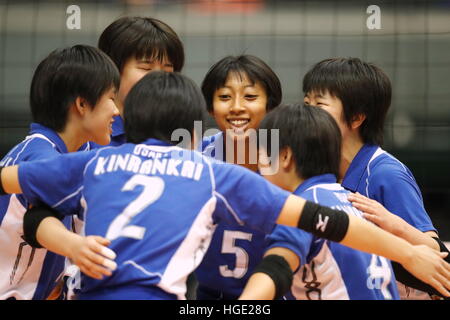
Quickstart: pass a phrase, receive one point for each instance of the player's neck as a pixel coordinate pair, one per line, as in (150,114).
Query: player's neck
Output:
(72,138)
(294,181)
(350,148)
(119,106)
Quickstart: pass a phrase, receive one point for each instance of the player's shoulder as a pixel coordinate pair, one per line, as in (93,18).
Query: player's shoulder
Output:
(212,146)
(389,173)
(385,164)
(33,148)
(39,141)
(324,191)
(208,140)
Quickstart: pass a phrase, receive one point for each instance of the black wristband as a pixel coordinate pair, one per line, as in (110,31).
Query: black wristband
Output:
(278,269)
(2,191)
(404,276)
(31,220)
(442,246)
(324,222)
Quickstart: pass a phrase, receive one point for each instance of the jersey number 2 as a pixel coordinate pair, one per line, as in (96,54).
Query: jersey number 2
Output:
(153,187)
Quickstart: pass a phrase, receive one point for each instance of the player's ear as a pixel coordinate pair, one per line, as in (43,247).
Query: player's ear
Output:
(81,105)
(286,159)
(358,120)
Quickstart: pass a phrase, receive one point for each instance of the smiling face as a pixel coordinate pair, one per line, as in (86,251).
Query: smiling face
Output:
(331,104)
(134,70)
(97,121)
(239,105)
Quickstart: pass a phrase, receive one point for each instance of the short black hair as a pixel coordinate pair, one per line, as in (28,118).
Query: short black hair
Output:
(141,37)
(65,74)
(160,103)
(253,67)
(362,87)
(311,133)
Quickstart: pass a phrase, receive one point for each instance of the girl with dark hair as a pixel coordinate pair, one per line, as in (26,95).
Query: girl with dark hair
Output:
(358,95)
(72,102)
(308,166)
(139,45)
(239,91)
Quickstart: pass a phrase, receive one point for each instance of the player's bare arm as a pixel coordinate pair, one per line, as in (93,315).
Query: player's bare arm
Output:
(10,180)
(88,253)
(262,285)
(423,262)
(378,214)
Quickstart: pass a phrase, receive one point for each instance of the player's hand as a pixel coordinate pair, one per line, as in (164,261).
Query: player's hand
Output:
(374,212)
(92,256)
(428,265)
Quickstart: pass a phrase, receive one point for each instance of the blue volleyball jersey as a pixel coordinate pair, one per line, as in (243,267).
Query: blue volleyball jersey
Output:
(212,146)
(380,176)
(159,205)
(329,270)
(117,136)
(234,251)
(27,273)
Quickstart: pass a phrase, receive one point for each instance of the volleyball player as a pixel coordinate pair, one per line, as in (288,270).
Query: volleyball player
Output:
(139,45)
(358,95)
(239,90)
(72,102)
(297,264)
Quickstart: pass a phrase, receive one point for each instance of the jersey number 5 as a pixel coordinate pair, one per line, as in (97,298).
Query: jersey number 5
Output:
(153,187)
(228,246)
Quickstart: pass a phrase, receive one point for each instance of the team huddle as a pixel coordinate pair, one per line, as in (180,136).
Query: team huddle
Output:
(100,201)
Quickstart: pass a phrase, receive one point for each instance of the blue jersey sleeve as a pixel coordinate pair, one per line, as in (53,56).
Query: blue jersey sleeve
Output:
(29,150)
(39,149)
(212,146)
(246,198)
(296,240)
(396,188)
(56,181)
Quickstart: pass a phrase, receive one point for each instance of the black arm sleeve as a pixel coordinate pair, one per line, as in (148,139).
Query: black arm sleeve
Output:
(324,222)
(443,248)
(403,276)
(31,220)
(278,269)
